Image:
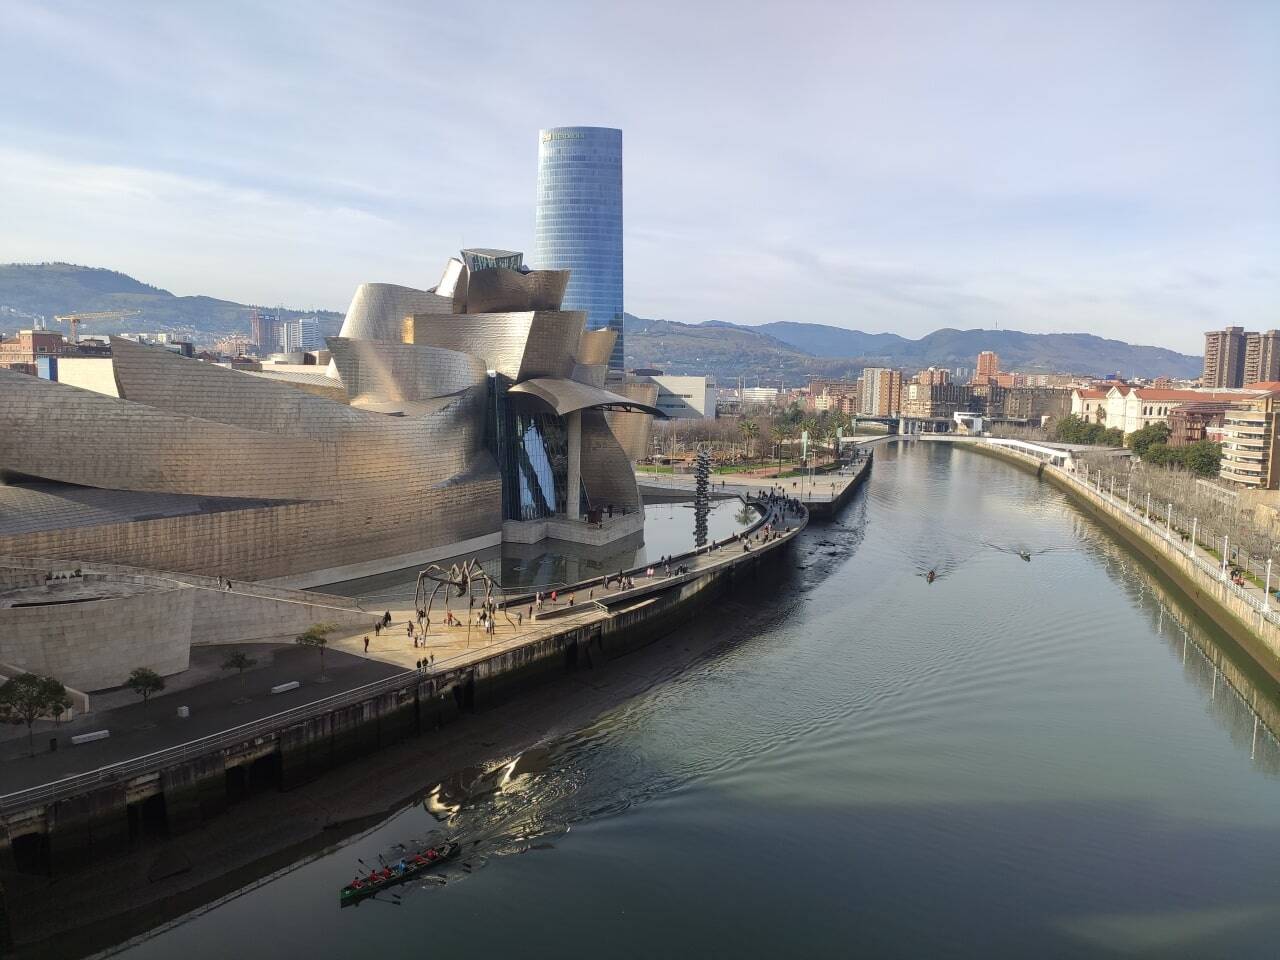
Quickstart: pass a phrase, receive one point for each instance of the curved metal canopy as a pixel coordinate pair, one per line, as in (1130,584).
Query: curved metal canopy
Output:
(568,396)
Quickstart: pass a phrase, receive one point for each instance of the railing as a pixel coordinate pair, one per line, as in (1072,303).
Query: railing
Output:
(263,727)
(1170,535)
(271,726)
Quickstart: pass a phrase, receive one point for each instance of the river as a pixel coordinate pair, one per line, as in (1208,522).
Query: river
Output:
(1020,759)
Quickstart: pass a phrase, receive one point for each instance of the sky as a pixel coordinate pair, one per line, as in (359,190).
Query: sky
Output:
(1092,166)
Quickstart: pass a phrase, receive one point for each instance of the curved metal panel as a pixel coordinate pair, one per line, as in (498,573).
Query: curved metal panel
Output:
(519,345)
(606,469)
(378,309)
(634,429)
(498,290)
(402,371)
(568,396)
(596,346)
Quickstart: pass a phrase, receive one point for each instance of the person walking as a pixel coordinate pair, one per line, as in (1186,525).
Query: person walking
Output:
(366,644)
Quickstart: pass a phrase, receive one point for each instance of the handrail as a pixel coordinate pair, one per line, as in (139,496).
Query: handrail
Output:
(272,725)
(1262,607)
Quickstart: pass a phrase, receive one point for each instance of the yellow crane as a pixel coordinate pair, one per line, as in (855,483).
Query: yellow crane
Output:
(75,319)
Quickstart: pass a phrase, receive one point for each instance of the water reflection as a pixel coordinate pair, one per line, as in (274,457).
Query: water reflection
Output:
(669,528)
(1238,693)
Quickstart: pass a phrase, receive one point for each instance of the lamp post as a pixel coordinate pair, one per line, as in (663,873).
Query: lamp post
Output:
(1168,529)
(1266,594)
(1191,547)
(1224,558)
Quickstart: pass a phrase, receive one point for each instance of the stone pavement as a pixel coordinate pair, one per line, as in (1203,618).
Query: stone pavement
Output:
(135,733)
(454,646)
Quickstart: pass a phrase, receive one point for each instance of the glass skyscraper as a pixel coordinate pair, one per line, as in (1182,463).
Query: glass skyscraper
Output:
(578,224)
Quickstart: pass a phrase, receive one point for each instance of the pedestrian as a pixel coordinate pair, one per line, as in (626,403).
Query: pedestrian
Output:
(386,618)
(531,611)
(377,627)
(554,595)
(366,643)
(571,599)
(519,619)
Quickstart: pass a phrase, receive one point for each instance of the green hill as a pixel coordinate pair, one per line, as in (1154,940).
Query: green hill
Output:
(32,290)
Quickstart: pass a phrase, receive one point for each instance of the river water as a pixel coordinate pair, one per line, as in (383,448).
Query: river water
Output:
(1022,759)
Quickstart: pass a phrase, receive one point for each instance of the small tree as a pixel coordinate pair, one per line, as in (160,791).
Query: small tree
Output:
(145,682)
(317,635)
(1203,457)
(780,434)
(27,698)
(750,431)
(239,662)
(1141,440)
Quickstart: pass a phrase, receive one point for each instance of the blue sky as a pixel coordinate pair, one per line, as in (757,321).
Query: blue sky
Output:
(1109,167)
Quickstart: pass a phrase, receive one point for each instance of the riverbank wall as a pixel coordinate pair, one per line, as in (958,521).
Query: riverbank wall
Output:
(52,830)
(1256,634)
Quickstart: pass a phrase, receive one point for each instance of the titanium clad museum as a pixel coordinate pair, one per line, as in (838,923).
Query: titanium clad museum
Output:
(448,419)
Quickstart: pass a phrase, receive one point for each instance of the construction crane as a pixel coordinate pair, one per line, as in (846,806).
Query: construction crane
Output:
(75,319)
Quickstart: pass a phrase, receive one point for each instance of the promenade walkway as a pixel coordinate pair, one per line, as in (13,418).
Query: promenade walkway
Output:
(214,707)
(455,646)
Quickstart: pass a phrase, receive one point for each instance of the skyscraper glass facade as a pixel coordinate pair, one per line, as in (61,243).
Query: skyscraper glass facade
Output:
(578,224)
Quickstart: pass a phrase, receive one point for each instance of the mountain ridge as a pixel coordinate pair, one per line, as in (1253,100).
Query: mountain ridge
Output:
(785,350)
(790,350)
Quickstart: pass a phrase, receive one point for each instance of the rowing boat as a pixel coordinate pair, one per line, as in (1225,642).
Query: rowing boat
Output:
(405,869)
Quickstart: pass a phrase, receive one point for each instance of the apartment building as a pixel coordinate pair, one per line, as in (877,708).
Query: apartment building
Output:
(1224,352)
(1249,445)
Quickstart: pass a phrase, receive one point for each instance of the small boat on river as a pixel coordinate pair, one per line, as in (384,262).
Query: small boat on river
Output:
(393,874)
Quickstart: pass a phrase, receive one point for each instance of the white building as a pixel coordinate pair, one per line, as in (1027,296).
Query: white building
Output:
(761,395)
(1132,408)
(684,398)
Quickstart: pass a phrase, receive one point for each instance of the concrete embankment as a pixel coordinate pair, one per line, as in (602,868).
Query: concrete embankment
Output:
(60,827)
(1255,633)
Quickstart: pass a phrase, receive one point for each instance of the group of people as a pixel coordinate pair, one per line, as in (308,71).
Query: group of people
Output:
(394,871)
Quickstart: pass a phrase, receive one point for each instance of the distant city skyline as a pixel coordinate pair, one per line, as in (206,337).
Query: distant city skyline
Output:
(1034,166)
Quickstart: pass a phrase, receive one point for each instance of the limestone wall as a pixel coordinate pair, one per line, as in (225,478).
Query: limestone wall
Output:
(96,643)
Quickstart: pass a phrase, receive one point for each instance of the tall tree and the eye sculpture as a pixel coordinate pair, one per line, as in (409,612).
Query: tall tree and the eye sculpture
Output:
(460,579)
